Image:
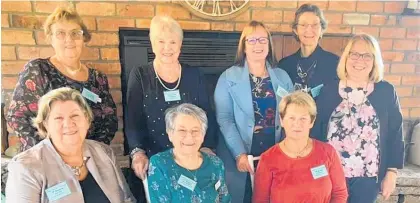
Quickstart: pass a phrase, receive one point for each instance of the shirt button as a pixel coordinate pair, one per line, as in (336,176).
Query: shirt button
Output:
(154,142)
(261,143)
(146,95)
(167,145)
(156,98)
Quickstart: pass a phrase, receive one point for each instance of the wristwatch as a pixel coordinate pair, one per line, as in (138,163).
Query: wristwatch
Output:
(135,150)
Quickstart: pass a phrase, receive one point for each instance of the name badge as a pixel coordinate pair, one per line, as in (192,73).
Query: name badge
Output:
(172,95)
(316,90)
(91,96)
(58,191)
(319,172)
(281,92)
(217,186)
(187,182)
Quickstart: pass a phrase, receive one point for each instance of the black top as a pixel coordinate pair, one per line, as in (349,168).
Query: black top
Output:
(318,68)
(145,121)
(385,101)
(92,193)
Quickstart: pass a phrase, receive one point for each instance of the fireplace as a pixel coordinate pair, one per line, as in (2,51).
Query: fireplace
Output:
(211,52)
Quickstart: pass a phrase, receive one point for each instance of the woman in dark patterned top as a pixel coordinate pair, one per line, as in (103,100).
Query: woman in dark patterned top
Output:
(67,34)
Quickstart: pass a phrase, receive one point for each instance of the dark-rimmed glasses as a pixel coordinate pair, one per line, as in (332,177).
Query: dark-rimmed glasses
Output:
(253,40)
(356,56)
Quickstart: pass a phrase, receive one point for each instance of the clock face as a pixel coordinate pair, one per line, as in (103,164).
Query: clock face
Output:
(216,9)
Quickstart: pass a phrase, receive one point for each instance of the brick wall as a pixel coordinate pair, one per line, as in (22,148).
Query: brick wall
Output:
(22,37)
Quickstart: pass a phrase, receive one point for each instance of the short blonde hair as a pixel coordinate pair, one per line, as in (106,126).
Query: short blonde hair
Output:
(65,14)
(300,99)
(60,94)
(377,72)
(164,24)
(248,29)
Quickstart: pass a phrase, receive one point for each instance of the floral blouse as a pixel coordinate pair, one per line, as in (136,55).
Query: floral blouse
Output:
(169,182)
(38,77)
(354,132)
(264,102)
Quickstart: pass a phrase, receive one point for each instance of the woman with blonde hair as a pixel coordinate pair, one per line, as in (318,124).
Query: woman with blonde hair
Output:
(360,116)
(304,170)
(246,107)
(68,35)
(65,167)
(155,87)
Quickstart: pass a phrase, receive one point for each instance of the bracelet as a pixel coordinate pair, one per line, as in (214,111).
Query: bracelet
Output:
(236,158)
(135,150)
(392,170)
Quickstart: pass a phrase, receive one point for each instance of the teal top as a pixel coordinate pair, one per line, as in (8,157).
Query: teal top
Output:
(169,182)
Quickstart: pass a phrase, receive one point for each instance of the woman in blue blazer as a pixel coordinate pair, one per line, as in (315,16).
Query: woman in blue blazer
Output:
(246,107)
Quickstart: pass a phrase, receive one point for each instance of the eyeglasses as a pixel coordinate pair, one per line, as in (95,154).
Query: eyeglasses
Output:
(183,133)
(74,34)
(253,40)
(313,26)
(356,56)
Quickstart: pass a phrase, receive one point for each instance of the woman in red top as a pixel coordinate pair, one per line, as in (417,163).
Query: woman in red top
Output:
(299,169)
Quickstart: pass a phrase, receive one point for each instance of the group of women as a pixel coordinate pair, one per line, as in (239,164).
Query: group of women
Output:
(314,119)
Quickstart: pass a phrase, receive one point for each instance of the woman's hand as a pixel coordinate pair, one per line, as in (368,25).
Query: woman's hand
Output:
(388,184)
(140,164)
(243,165)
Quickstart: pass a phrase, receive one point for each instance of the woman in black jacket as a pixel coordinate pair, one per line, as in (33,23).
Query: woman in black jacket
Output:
(360,116)
(310,66)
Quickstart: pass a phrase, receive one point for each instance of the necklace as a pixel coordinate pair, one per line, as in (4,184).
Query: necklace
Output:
(77,170)
(262,76)
(299,153)
(164,86)
(182,165)
(304,74)
(67,69)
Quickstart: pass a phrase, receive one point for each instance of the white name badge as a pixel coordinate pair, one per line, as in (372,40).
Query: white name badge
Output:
(58,191)
(319,172)
(217,186)
(187,182)
(91,96)
(172,95)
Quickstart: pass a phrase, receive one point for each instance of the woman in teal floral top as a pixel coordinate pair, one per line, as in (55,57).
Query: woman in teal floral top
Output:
(183,173)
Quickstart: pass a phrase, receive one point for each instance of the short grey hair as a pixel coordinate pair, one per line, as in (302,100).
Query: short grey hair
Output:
(164,24)
(186,109)
(60,94)
(313,9)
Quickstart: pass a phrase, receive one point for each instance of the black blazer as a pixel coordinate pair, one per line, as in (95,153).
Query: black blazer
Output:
(385,101)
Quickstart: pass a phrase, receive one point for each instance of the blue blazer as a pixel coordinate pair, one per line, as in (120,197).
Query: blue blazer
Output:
(235,116)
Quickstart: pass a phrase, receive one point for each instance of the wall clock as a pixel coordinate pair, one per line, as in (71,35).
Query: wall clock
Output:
(216,9)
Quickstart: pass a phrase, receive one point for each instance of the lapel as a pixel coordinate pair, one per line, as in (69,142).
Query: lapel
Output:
(97,173)
(275,81)
(240,89)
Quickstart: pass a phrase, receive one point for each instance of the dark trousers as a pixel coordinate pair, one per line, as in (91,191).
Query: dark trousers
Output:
(362,189)
(136,185)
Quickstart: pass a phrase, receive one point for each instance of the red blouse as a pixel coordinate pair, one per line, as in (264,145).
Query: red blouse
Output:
(280,178)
